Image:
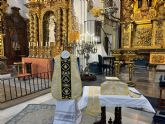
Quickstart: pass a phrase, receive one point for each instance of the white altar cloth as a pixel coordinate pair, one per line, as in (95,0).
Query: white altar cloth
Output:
(66,112)
(117,101)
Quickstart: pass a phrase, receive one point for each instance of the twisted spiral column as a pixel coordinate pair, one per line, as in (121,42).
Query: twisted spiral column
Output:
(58,32)
(64,27)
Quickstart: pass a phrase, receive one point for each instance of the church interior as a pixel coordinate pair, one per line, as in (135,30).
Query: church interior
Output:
(82,61)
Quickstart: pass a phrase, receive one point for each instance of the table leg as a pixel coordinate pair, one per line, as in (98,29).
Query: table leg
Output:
(103,116)
(118,118)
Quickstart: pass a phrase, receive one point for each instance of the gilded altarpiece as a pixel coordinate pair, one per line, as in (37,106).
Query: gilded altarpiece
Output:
(49,17)
(126,35)
(142,26)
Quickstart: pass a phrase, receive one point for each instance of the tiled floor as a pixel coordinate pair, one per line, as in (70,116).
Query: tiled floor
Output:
(145,83)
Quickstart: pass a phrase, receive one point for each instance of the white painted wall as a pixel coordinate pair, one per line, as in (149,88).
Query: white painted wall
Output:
(80,11)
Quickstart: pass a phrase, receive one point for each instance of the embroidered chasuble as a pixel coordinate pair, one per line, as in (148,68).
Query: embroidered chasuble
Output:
(66,82)
(117,88)
(114,88)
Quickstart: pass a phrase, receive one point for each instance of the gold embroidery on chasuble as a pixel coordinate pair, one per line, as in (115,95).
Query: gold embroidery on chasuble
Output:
(114,88)
(117,88)
(66,82)
(93,107)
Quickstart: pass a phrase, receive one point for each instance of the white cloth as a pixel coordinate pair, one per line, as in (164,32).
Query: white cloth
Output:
(66,112)
(117,101)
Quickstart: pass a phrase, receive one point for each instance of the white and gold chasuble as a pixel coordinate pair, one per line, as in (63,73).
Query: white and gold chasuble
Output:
(117,88)
(66,82)
(114,88)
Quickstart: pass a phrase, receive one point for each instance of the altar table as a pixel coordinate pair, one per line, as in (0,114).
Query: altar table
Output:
(117,100)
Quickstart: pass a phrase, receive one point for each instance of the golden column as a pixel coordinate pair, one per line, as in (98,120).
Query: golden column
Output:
(64,27)
(31,24)
(130,69)
(31,37)
(3,7)
(70,17)
(1,46)
(58,32)
(117,68)
(35,30)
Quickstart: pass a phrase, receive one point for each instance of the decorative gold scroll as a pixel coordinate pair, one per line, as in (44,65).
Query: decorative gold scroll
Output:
(157,58)
(143,36)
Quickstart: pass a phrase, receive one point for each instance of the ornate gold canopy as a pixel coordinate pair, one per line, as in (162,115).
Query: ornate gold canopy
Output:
(40,12)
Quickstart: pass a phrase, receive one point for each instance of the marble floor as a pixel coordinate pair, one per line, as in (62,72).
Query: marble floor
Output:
(146,82)
(129,116)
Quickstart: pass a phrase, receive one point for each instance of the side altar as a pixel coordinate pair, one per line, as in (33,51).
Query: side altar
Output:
(142,29)
(51,22)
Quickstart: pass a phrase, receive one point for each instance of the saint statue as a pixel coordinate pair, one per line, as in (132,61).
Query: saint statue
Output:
(52,28)
(14,39)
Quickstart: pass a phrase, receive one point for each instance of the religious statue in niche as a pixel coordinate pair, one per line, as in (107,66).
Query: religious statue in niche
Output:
(14,39)
(52,27)
(49,28)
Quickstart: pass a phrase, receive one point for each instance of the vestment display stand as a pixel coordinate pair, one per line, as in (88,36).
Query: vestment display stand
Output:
(66,111)
(117,119)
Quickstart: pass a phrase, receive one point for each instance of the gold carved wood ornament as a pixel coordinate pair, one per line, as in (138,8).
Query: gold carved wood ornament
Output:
(157,58)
